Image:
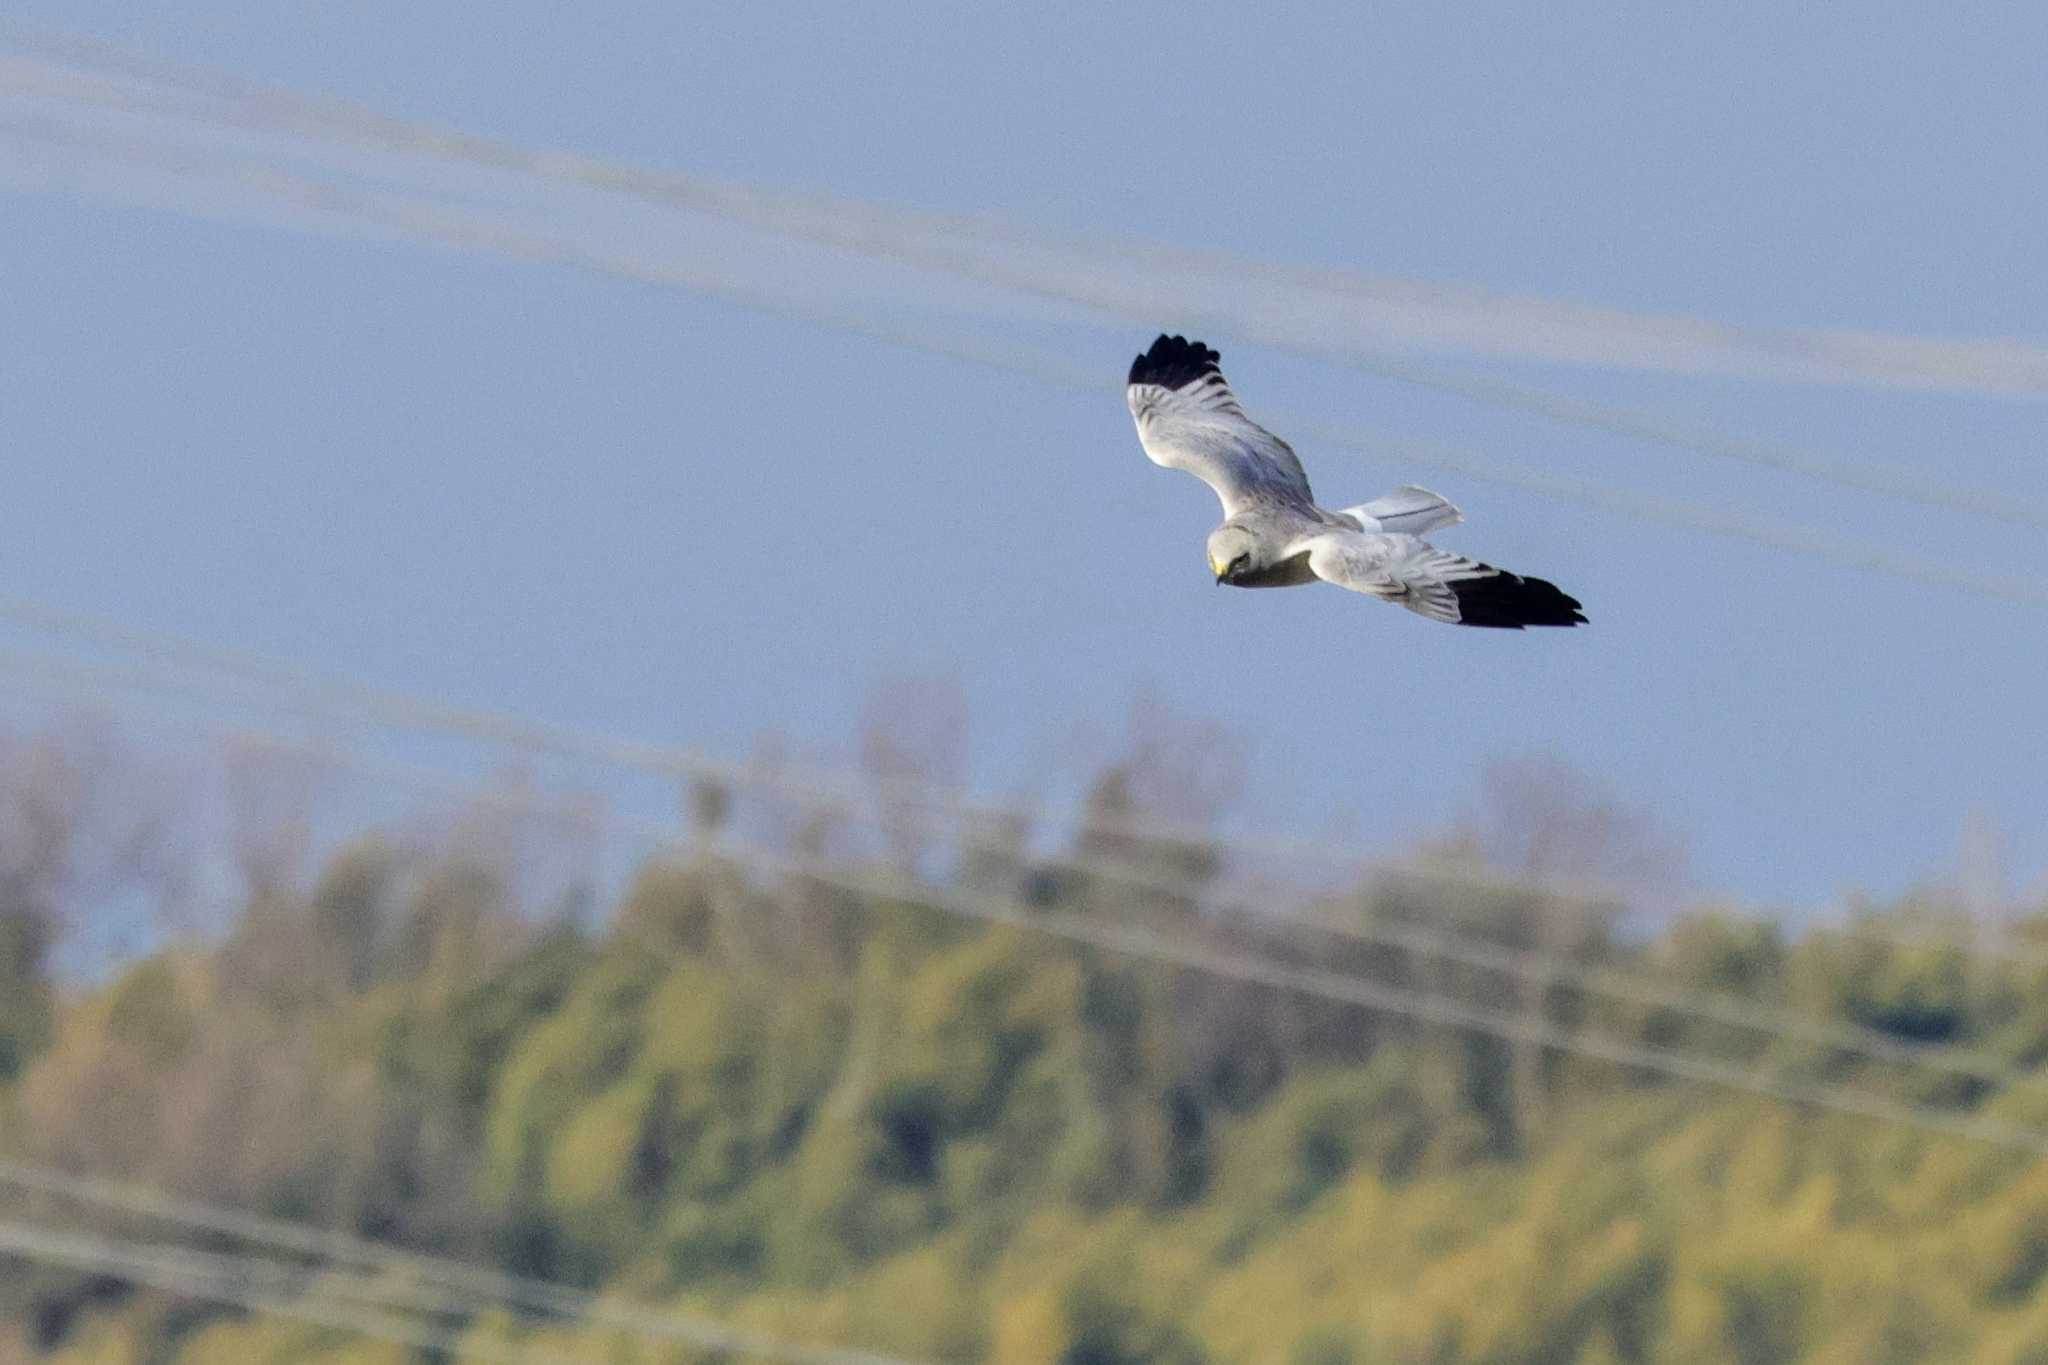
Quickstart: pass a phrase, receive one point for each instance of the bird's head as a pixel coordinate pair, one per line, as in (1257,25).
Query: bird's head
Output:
(1233,552)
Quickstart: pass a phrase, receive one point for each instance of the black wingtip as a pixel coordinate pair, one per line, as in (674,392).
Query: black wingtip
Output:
(1174,363)
(1508,601)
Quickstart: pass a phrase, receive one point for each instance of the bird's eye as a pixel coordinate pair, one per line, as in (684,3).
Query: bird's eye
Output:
(1241,563)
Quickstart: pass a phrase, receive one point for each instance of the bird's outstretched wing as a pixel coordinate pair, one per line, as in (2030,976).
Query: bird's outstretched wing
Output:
(1188,419)
(1436,583)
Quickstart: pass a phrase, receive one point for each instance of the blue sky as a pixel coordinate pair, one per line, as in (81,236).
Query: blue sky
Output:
(625,507)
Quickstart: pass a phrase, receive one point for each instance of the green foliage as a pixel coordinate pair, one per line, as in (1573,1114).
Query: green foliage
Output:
(1325,1346)
(1765,1305)
(1107,1323)
(350,911)
(147,1010)
(843,1119)
(27,1004)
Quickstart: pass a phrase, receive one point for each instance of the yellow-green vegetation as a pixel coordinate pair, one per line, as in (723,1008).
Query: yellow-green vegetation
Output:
(849,1120)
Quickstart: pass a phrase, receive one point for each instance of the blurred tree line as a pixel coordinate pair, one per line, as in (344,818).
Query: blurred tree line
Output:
(844,1117)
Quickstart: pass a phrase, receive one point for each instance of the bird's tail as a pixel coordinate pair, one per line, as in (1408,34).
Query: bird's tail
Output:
(1407,510)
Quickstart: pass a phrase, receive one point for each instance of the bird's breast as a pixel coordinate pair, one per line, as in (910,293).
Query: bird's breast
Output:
(1288,573)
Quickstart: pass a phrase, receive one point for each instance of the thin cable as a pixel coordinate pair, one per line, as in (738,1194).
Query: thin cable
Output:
(1135,941)
(1845,551)
(1624,340)
(498,1287)
(349,699)
(843,796)
(1128,940)
(1883,480)
(1150,945)
(468,231)
(1257,904)
(189,1276)
(1561,970)
(929,242)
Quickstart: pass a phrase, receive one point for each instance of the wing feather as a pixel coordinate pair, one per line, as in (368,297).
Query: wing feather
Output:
(1438,584)
(1408,509)
(1189,419)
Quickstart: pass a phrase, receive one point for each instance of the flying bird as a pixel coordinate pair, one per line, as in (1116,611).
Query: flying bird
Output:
(1275,536)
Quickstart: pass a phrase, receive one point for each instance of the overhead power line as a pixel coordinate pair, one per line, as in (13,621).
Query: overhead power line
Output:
(213,1280)
(1130,940)
(1927,489)
(482,1283)
(471,231)
(1138,941)
(1092,273)
(1418,312)
(1151,945)
(850,798)
(848,794)
(1261,903)
(351,700)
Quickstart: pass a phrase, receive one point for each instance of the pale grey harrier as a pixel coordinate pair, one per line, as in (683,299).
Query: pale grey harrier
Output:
(1274,536)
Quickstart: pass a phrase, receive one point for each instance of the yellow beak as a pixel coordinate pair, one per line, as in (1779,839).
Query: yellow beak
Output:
(1216,568)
